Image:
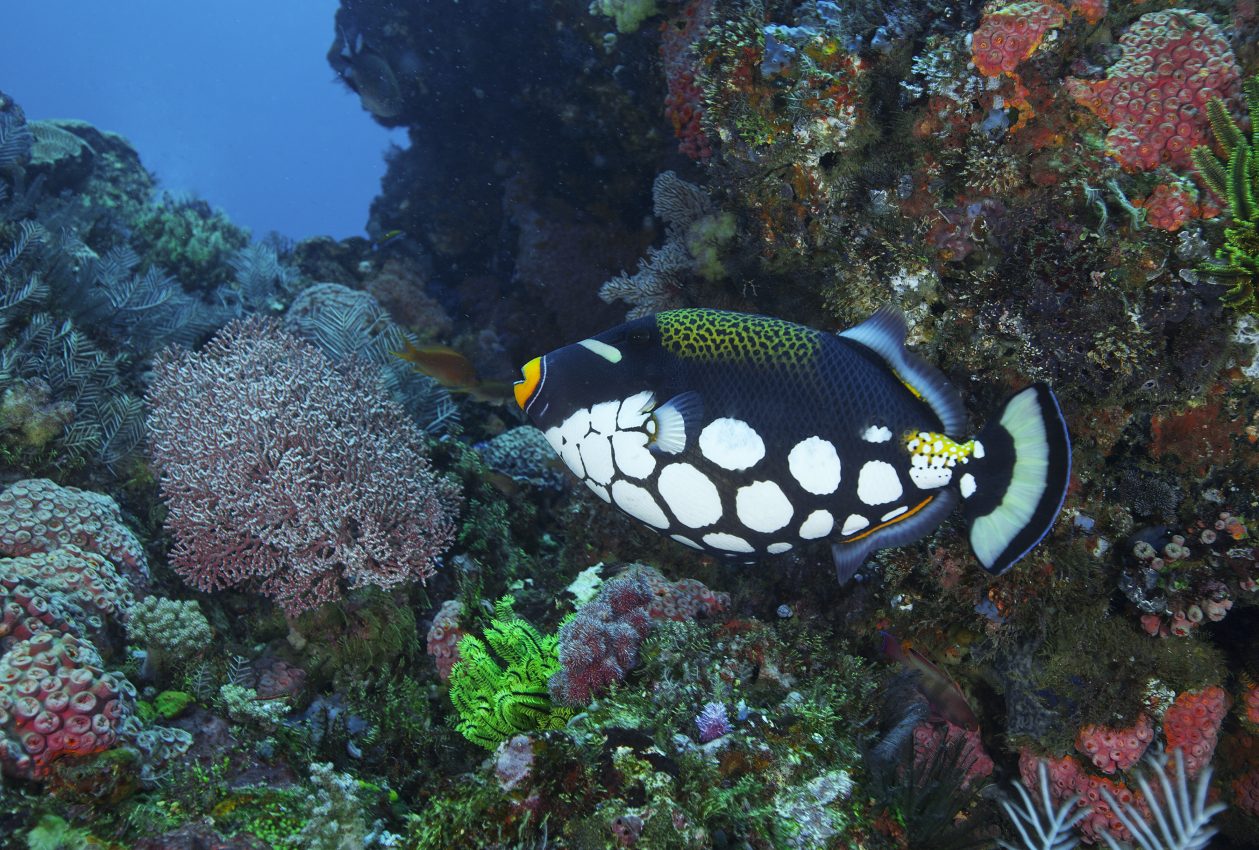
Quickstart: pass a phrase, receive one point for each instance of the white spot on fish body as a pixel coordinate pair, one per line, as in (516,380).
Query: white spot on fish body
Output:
(638,503)
(633,457)
(878,483)
(571,456)
(817,524)
(815,464)
(967,485)
(727,542)
(601,492)
(553,437)
(634,410)
(854,523)
(930,477)
(878,434)
(576,426)
(731,444)
(686,541)
(690,494)
(978,449)
(609,353)
(596,455)
(778,548)
(762,506)
(893,514)
(603,417)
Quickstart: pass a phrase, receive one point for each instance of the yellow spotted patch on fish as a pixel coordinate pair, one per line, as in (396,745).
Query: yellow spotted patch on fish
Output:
(939,450)
(715,335)
(932,457)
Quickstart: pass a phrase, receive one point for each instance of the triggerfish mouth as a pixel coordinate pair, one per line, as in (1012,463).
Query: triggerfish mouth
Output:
(743,436)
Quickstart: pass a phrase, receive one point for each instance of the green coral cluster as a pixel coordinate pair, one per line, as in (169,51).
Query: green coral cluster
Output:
(628,14)
(1236,180)
(168,627)
(497,702)
(335,818)
(243,705)
(190,239)
(28,412)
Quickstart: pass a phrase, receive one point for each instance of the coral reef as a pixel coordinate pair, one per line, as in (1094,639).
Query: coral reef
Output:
(599,645)
(42,516)
(1154,99)
(1048,190)
(443,637)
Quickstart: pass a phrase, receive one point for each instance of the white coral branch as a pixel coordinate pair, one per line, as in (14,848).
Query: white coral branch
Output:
(1183,819)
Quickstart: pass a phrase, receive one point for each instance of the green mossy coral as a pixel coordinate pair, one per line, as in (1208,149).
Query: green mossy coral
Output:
(496,702)
(171,704)
(1236,180)
(372,630)
(189,239)
(707,239)
(628,14)
(55,833)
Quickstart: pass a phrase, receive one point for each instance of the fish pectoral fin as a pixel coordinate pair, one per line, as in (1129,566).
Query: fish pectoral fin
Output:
(673,421)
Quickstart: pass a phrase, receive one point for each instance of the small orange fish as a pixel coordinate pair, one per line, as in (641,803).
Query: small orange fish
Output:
(454,371)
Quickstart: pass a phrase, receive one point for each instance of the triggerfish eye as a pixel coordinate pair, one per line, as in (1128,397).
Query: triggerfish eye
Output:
(526,386)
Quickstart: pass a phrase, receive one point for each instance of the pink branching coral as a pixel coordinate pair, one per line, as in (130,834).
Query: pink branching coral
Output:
(288,477)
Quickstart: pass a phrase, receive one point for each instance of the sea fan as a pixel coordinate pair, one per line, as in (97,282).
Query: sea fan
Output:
(260,277)
(1039,824)
(346,324)
(108,422)
(15,140)
(1182,818)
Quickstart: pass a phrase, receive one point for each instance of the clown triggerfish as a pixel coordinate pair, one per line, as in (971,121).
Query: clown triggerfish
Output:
(743,435)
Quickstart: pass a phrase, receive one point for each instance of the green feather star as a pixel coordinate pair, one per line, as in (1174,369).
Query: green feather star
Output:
(496,702)
(1236,180)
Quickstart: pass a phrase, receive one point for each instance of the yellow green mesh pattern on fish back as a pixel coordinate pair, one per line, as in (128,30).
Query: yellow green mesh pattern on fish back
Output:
(715,335)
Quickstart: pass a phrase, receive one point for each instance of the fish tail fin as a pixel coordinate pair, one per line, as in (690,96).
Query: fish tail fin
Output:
(1015,482)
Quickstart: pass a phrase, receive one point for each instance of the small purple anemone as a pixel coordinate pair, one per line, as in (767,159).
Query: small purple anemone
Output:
(713,722)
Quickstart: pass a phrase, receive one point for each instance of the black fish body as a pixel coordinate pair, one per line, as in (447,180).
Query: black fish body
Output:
(744,436)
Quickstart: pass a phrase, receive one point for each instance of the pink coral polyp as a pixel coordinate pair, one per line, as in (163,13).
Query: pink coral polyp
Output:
(1154,98)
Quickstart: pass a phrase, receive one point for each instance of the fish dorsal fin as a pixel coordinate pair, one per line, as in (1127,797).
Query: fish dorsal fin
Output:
(884,334)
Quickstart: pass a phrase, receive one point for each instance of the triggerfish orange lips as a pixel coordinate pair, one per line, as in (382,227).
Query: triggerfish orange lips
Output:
(527,386)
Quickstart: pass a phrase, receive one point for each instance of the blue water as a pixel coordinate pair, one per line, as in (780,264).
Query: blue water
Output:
(232,101)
